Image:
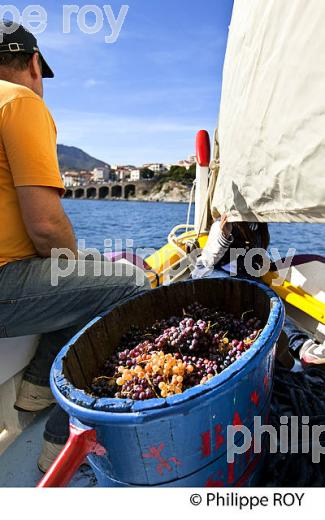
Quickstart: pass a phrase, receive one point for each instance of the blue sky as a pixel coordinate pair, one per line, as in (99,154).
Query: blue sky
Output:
(143,98)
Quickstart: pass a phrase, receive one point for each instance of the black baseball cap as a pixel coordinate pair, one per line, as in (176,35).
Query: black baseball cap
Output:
(15,38)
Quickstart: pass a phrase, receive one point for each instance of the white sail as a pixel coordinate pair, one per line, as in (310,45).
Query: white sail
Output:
(272,114)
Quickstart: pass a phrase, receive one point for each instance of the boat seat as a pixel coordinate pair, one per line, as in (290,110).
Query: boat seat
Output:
(15,354)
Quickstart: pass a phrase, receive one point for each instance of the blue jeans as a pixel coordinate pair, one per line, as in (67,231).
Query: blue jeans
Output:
(31,304)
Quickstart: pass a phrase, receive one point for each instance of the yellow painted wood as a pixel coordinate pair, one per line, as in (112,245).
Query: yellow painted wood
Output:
(168,255)
(297,297)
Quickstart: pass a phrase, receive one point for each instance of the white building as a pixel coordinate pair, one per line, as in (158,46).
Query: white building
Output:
(185,164)
(101,174)
(157,168)
(123,174)
(117,167)
(135,175)
(71,179)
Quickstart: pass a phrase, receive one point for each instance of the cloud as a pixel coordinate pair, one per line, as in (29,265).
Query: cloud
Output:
(79,122)
(58,41)
(91,83)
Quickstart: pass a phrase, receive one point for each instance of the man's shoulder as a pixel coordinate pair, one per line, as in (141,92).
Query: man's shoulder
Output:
(10,92)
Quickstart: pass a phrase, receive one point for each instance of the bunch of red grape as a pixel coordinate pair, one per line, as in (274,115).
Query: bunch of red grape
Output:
(175,354)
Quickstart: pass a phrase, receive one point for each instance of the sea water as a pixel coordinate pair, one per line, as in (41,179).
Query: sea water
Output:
(147,224)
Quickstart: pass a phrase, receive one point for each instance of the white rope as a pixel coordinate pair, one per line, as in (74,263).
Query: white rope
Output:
(190,205)
(173,239)
(207,198)
(213,174)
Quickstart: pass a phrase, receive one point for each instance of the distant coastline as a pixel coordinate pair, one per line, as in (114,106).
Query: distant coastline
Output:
(86,177)
(151,191)
(134,200)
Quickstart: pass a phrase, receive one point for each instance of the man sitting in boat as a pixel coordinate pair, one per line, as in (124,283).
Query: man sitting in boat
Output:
(225,235)
(33,224)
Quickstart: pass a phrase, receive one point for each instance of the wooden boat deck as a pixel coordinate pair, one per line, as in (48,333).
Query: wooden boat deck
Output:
(18,464)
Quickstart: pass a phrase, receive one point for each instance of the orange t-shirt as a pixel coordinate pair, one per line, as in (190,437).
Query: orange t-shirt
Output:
(28,157)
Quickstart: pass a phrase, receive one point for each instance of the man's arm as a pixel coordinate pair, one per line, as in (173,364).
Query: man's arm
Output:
(45,220)
(28,134)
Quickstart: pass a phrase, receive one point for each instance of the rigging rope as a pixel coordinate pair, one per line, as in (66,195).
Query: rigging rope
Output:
(214,170)
(190,205)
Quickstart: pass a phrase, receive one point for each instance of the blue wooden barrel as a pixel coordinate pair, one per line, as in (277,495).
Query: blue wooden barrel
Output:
(181,440)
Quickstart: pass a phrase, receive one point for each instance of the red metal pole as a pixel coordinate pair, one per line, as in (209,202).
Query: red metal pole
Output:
(79,445)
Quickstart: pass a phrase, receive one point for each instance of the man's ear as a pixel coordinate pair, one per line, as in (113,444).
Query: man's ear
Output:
(35,66)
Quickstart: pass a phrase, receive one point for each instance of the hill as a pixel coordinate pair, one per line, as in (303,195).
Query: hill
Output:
(71,158)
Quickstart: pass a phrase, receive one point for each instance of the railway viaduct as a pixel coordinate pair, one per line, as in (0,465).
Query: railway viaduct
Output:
(109,191)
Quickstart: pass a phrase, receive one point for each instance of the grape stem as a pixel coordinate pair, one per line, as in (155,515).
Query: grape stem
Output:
(152,385)
(104,377)
(208,327)
(246,312)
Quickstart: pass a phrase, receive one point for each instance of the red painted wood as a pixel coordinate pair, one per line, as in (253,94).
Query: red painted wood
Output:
(237,420)
(231,473)
(206,444)
(163,463)
(80,444)
(231,466)
(214,483)
(242,482)
(255,398)
(203,148)
(219,438)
